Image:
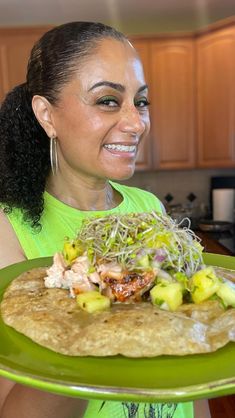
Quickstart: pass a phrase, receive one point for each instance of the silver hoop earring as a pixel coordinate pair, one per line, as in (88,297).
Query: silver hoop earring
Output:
(53,155)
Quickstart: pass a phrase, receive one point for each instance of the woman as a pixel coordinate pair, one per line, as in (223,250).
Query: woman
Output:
(66,136)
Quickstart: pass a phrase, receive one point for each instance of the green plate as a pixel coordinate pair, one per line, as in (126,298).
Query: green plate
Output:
(159,379)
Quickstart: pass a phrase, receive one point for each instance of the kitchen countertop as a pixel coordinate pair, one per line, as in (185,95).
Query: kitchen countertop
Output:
(211,243)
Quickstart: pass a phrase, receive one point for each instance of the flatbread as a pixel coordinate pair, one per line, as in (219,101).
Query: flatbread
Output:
(52,319)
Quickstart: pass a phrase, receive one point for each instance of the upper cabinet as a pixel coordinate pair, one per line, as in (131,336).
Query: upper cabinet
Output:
(216,98)
(1,76)
(15,47)
(169,71)
(173,110)
(144,159)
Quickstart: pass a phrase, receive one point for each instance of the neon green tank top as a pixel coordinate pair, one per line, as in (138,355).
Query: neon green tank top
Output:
(59,221)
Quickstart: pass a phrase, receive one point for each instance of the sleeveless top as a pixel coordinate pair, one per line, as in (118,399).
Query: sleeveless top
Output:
(59,221)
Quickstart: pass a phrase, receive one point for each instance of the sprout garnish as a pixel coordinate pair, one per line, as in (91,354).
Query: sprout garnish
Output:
(138,241)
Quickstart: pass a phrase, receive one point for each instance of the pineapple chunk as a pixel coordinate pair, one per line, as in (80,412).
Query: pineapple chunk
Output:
(226,292)
(71,251)
(93,301)
(168,296)
(203,284)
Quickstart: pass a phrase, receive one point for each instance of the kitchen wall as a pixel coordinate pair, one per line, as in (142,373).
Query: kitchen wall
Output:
(180,184)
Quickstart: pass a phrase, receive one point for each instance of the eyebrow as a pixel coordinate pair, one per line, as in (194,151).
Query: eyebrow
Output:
(115,86)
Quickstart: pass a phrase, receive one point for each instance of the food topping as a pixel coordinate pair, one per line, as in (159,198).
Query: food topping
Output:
(93,302)
(135,257)
(203,284)
(129,286)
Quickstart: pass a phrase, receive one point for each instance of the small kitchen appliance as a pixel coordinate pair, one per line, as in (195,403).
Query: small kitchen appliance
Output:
(223,198)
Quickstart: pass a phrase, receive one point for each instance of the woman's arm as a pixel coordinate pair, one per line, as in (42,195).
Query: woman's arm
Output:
(10,249)
(202,409)
(25,402)
(5,387)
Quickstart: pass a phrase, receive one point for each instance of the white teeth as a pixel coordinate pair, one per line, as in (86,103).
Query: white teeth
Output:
(126,148)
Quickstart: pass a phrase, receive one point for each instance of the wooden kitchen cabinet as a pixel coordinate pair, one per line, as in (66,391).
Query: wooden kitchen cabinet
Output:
(15,47)
(169,71)
(1,76)
(216,98)
(173,109)
(144,159)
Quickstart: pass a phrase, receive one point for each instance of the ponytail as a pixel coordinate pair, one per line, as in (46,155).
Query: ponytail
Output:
(24,159)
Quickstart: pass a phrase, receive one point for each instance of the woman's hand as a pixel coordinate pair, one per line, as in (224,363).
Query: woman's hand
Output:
(201,409)
(24,402)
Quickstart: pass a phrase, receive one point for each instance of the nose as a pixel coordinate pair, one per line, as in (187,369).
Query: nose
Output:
(134,121)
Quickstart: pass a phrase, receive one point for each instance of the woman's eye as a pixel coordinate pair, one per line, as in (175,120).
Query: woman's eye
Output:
(142,103)
(109,101)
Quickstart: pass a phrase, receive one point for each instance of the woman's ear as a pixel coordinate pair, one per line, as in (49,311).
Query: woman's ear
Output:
(43,113)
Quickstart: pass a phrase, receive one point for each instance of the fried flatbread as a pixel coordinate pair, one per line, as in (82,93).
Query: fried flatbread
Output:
(52,319)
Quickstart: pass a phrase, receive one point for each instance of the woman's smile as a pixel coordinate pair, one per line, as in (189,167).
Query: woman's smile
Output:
(128,151)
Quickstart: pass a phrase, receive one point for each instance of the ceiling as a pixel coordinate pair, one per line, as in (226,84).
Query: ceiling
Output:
(130,16)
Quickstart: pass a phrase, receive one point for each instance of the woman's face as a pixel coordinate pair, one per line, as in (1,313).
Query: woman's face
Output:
(102,114)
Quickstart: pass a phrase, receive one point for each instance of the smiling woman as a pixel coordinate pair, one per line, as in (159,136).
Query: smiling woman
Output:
(66,136)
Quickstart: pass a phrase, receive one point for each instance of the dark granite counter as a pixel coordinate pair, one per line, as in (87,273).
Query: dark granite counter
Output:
(217,243)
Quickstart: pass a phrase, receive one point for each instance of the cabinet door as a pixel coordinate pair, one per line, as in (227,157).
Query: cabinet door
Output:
(1,73)
(144,160)
(15,47)
(216,98)
(173,110)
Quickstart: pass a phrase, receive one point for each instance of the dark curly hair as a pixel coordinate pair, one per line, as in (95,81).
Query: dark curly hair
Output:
(25,154)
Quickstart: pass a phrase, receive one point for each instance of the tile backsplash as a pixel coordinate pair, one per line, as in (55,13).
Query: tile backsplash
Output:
(179,183)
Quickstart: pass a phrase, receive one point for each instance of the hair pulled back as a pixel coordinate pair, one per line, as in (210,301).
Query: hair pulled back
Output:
(25,155)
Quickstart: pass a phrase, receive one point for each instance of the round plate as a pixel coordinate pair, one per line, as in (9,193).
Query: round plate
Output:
(162,379)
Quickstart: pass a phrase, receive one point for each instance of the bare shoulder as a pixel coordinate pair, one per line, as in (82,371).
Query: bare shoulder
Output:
(10,248)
